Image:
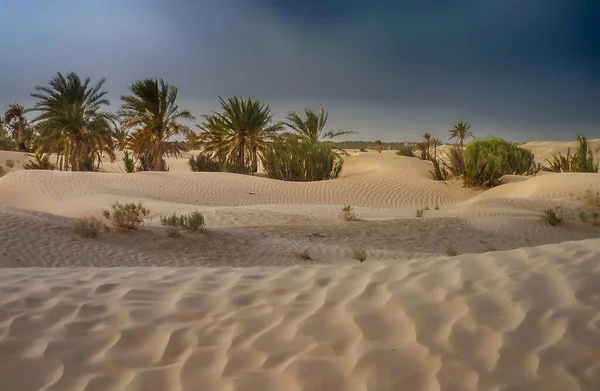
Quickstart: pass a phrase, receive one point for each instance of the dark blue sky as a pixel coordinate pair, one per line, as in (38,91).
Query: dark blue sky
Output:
(522,69)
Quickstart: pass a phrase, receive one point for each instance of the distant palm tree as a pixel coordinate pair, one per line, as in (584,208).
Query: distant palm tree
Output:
(71,123)
(21,131)
(153,114)
(120,137)
(239,134)
(378,145)
(312,126)
(460,131)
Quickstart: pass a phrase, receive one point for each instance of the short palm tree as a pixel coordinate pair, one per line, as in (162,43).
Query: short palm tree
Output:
(239,134)
(71,124)
(461,131)
(152,112)
(312,126)
(21,131)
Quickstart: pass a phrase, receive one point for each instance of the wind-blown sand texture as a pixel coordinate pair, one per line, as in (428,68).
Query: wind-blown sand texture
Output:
(409,318)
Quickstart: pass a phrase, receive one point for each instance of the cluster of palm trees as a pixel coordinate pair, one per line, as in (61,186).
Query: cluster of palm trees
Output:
(73,123)
(427,149)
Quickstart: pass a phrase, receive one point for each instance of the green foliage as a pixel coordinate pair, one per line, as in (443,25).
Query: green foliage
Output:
(294,159)
(312,127)
(378,146)
(369,144)
(487,160)
(439,172)
(20,128)
(88,227)
(461,131)
(455,161)
(552,217)
(128,162)
(126,216)
(203,163)
(581,161)
(193,221)
(7,144)
(405,150)
(41,162)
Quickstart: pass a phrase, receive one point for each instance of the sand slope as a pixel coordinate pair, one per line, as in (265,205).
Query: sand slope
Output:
(524,319)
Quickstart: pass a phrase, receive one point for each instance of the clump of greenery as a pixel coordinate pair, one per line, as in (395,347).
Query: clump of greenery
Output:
(439,172)
(203,163)
(378,146)
(193,221)
(552,217)
(405,150)
(348,213)
(450,251)
(581,161)
(294,159)
(88,227)
(126,216)
(360,254)
(487,160)
(128,162)
(455,161)
(7,144)
(41,162)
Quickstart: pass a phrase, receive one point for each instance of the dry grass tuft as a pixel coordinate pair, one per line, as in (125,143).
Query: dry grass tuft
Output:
(89,227)
(127,216)
(360,254)
(348,214)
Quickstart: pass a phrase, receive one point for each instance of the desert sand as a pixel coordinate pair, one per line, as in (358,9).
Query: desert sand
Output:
(237,308)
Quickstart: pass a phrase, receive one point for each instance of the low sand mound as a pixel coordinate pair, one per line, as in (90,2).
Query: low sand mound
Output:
(524,319)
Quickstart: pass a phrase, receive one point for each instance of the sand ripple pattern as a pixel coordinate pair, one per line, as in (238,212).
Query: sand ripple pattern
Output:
(527,319)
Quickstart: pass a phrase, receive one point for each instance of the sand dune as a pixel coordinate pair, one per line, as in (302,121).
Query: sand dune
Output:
(219,316)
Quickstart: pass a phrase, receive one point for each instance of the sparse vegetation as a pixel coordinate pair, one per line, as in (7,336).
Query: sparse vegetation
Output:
(378,146)
(126,216)
(581,161)
(305,255)
(552,217)
(203,163)
(439,172)
(450,252)
(363,150)
(41,162)
(419,212)
(128,162)
(88,227)
(348,213)
(193,221)
(487,160)
(360,254)
(405,150)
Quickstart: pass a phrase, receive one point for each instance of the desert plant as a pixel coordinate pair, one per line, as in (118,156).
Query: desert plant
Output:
(71,123)
(439,172)
(487,160)
(405,150)
(455,161)
(305,255)
(552,217)
(22,132)
(88,227)
(363,150)
(41,162)
(152,112)
(460,131)
(583,216)
(203,163)
(311,128)
(240,134)
(128,162)
(378,146)
(293,159)
(360,254)
(348,213)
(450,251)
(193,221)
(419,212)
(126,216)
(581,161)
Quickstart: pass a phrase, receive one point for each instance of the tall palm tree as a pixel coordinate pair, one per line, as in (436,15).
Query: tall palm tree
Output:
(71,123)
(21,131)
(152,112)
(312,126)
(240,133)
(461,131)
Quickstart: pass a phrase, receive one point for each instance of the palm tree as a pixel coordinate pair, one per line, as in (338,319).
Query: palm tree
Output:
(239,135)
(153,113)
(378,145)
(312,126)
(71,123)
(461,131)
(15,118)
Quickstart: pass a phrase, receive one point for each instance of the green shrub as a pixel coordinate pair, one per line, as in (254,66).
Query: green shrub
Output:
(41,162)
(405,150)
(128,162)
(581,161)
(439,172)
(194,221)
(455,161)
(88,227)
(292,159)
(126,216)
(8,144)
(203,163)
(552,217)
(487,160)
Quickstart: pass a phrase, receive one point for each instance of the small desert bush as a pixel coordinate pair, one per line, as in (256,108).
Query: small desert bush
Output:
(203,163)
(126,216)
(193,221)
(128,162)
(378,146)
(41,162)
(439,172)
(405,151)
(348,213)
(455,161)
(304,255)
(88,227)
(360,254)
(488,159)
(419,212)
(581,161)
(7,144)
(450,252)
(293,159)
(552,217)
